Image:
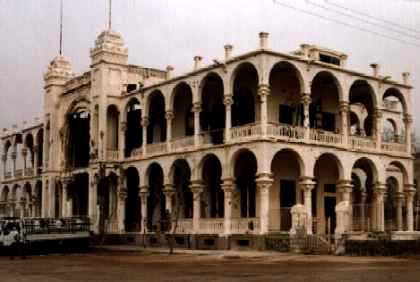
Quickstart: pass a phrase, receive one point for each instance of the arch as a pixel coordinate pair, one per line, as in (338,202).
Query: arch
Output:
(245,169)
(133,205)
(181,103)
(403,170)
(180,175)
(286,168)
(40,146)
(394,92)
(390,205)
(213,114)
(245,87)
(155,111)
(326,93)
(390,130)
(4,197)
(211,173)
(149,100)
(134,129)
(287,86)
(156,206)
(113,121)
(81,104)
(362,92)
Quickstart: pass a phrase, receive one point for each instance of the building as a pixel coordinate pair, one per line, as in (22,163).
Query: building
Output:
(235,148)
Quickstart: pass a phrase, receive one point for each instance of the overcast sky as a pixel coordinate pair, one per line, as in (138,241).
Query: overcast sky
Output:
(162,32)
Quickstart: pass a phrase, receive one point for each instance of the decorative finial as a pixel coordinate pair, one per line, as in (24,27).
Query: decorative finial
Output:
(110,15)
(61,28)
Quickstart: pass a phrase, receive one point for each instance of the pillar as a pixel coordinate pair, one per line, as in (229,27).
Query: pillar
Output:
(169,193)
(306,102)
(196,110)
(364,223)
(344,115)
(410,191)
(66,185)
(121,139)
(24,155)
(169,118)
(228,188)
(144,194)
(399,198)
(122,196)
(196,189)
(307,185)
(34,205)
(51,196)
(408,121)
(4,160)
(36,148)
(44,201)
(22,205)
(264,183)
(13,157)
(378,128)
(144,124)
(93,201)
(345,187)
(379,192)
(228,101)
(263,92)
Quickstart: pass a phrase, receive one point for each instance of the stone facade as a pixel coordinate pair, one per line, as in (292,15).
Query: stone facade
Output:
(229,149)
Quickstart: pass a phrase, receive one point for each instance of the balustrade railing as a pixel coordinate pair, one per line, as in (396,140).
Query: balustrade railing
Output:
(325,137)
(19,173)
(394,147)
(245,225)
(285,131)
(112,155)
(357,142)
(361,214)
(137,152)
(245,131)
(212,137)
(8,175)
(29,171)
(111,227)
(183,226)
(156,149)
(182,143)
(211,225)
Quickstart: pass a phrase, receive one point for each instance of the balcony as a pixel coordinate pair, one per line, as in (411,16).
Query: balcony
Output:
(245,132)
(182,144)
(211,225)
(29,171)
(362,143)
(325,137)
(245,225)
(112,155)
(286,132)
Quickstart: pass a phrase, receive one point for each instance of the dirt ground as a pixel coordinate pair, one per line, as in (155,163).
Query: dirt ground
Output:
(145,266)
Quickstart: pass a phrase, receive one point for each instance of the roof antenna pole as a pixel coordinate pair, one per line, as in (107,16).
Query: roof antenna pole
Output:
(109,15)
(61,28)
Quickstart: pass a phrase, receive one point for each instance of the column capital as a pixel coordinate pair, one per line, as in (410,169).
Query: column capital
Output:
(228,184)
(169,190)
(379,189)
(196,107)
(307,183)
(408,119)
(123,126)
(343,106)
(66,180)
(378,114)
(264,180)
(305,98)
(197,186)
(263,90)
(169,115)
(24,151)
(122,193)
(13,155)
(228,99)
(345,185)
(145,121)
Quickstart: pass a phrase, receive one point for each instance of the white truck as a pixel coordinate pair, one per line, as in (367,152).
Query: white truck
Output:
(44,235)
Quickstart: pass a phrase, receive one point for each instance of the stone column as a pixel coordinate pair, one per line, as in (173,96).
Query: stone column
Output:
(12,207)
(36,148)
(196,110)
(145,124)
(345,187)
(344,115)
(93,201)
(44,201)
(169,118)
(264,183)
(306,102)
(379,192)
(410,191)
(169,193)
(399,198)
(4,160)
(307,185)
(263,92)
(378,128)
(121,139)
(13,157)
(24,155)
(51,195)
(122,196)
(144,194)
(364,222)
(228,188)
(66,181)
(34,205)
(228,101)
(196,189)
(408,121)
